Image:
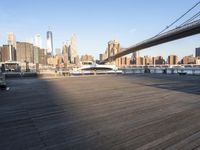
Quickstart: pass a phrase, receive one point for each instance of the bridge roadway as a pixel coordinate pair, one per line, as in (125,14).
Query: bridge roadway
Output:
(101,112)
(177,33)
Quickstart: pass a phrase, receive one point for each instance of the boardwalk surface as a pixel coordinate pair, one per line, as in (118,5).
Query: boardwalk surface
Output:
(103,112)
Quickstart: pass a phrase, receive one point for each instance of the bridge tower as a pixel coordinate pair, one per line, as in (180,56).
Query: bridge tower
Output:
(113,49)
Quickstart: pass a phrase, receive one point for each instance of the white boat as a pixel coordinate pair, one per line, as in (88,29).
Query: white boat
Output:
(90,68)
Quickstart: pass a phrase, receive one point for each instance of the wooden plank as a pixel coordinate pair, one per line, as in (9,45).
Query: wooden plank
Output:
(101,112)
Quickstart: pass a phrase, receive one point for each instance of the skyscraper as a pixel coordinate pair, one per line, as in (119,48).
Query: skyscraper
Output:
(136,59)
(11,39)
(197,52)
(70,50)
(12,44)
(65,53)
(38,40)
(73,48)
(101,58)
(50,43)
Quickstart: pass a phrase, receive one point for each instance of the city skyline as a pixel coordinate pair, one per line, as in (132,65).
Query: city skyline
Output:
(95,24)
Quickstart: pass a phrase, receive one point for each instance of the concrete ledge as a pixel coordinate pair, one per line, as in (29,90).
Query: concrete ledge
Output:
(20,74)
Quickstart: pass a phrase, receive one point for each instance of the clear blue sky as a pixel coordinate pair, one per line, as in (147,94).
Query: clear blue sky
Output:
(95,22)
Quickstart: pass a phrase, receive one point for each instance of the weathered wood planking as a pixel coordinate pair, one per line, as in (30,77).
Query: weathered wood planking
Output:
(101,112)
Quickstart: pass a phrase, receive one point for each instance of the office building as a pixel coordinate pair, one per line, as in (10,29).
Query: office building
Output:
(197,52)
(50,43)
(25,52)
(136,59)
(72,49)
(101,57)
(5,52)
(76,60)
(42,57)
(87,58)
(65,54)
(106,54)
(189,60)
(39,55)
(11,39)
(38,40)
(36,54)
(147,60)
(125,61)
(56,61)
(172,60)
(197,61)
(8,53)
(158,60)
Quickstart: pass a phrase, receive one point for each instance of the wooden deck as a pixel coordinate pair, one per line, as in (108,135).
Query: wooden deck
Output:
(101,112)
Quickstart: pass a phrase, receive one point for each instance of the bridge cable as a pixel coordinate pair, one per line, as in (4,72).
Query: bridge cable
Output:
(179,18)
(191,19)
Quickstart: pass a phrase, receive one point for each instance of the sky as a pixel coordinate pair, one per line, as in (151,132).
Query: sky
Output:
(95,22)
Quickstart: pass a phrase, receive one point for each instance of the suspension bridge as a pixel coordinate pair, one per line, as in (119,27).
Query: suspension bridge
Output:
(188,28)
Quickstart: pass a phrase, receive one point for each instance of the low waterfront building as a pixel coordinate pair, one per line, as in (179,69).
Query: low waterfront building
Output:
(125,61)
(197,61)
(188,60)
(158,60)
(87,57)
(147,60)
(55,61)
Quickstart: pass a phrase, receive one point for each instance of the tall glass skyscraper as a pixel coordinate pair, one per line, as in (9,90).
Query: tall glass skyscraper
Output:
(50,43)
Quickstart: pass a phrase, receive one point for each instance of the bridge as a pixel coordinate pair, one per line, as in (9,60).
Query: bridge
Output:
(174,34)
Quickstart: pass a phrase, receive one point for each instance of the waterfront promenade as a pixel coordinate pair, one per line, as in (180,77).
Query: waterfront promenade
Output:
(144,111)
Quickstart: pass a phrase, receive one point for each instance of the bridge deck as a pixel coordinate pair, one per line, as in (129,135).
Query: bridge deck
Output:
(177,33)
(103,112)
